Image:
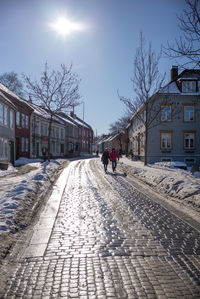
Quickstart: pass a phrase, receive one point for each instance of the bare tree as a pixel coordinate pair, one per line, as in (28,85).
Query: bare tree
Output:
(12,81)
(56,92)
(146,82)
(120,124)
(188,45)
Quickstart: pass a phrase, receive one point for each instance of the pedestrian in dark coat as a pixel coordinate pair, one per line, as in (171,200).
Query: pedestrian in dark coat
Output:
(44,152)
(105,159)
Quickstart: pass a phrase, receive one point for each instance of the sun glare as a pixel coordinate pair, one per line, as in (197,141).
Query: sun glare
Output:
(65,27)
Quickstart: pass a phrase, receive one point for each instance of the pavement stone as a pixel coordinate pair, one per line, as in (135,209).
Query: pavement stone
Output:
(109,240)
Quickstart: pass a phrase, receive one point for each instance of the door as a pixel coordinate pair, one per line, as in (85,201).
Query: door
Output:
(37,149)
(17,147)
(12,153)
(138,144)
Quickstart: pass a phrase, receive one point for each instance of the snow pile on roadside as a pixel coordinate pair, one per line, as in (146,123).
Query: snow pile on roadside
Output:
(167,178)
(24,161)
(18,191)
(10,169)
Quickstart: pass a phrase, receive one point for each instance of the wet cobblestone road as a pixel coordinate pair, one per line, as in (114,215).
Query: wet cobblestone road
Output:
(109,240)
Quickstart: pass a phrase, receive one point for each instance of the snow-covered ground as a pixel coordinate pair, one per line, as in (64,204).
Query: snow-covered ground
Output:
(169,179)
(18,185)
(21,187)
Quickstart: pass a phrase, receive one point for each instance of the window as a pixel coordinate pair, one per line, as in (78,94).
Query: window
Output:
(11,119)
(44,129)
(18,118)
(6,113)
(166,140)
(57,147)
(26,144)
(23,121)
(62,134)
(57,133)
(190,160)
(188,86)
(22,144)
(166,113)
(53,146)
(1,113)
(189,113)
(189,140)
(4,153)
(26,121)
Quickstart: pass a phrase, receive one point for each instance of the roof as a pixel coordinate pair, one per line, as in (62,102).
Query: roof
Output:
(43,113)
(190,74)
(172,87)
(80,122)
(2,96)
(8,92)
(66,120)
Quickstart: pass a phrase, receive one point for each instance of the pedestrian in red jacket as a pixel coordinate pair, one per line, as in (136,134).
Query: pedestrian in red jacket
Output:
(113,158)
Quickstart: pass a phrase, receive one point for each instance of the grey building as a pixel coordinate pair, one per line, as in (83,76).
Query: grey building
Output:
(7,131)
(174,133)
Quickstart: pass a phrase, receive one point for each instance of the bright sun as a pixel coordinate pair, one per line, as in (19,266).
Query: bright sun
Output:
(65,27)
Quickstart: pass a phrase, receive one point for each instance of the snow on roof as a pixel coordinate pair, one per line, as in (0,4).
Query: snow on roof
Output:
(43,113)
(113,137)
(7,100)
(170,88)
(11,93)
(65,119)
(79,122)
(190,74)
(8,91)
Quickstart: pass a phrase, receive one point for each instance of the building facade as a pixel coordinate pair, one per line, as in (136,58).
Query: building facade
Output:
(40,122)
(175,131)
(24,130)
(7,131)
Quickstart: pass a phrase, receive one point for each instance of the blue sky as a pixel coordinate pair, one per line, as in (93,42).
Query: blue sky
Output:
(102,53)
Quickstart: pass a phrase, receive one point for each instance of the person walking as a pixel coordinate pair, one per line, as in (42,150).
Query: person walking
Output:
(105,159)
(113,158)
(44,152)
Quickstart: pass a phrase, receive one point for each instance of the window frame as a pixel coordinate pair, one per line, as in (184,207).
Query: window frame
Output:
(189,132)
(11,123)
(171,142)
(185,89)
(5,116)
(189,105)
(26,121)
(23,120)
(18,119)
(1,113)
(165,105)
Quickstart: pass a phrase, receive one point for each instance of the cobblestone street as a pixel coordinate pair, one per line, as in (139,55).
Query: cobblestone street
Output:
(110,240)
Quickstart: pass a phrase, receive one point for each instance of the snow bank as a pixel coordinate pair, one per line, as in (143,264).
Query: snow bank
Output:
(18,191)
(10,169)
(167,178)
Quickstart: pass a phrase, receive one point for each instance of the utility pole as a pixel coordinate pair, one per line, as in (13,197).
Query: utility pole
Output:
(83,110)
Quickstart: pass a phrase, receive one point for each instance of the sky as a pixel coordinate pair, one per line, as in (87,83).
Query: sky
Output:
(101,45)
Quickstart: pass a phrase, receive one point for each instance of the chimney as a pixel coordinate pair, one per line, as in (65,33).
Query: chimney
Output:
(72,114)
(174,72)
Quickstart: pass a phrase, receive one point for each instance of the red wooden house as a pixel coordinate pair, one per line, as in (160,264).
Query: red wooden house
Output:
(22,123)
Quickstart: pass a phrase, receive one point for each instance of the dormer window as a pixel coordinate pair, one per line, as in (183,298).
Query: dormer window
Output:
(188,86)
